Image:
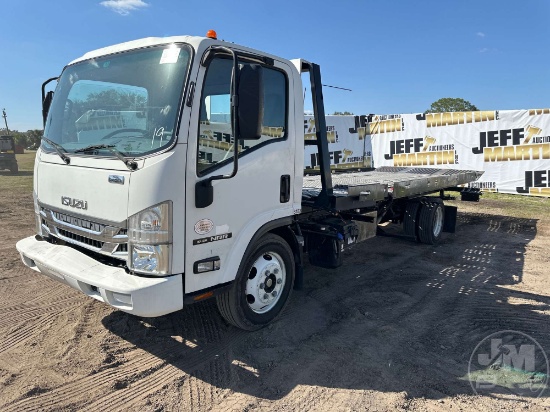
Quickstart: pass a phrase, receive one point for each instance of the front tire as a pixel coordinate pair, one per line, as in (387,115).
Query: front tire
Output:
(262,287)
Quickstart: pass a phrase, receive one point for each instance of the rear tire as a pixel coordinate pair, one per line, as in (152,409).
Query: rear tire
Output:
(430,221)
(410,220)
(14,168)
(262,287)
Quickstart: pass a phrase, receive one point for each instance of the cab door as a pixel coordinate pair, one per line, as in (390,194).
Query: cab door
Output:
(260,192)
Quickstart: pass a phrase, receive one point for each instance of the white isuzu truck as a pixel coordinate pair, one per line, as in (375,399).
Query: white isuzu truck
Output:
(172,170)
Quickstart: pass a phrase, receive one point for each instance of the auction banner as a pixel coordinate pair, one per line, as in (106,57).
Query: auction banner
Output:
(348,149)
(512,147)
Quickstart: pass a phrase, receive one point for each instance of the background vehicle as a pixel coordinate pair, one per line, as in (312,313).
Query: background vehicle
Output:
(172,171)
(7,154)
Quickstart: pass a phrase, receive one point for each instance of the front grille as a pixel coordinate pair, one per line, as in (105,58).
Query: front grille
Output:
(81,239)
(106,239)
(84,224)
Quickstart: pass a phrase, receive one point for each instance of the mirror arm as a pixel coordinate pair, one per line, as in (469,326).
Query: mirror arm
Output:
(45,84)
(45,112)
(235,130)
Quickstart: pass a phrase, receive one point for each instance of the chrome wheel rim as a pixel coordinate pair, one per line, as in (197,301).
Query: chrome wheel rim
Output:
(438,221)
(265,283)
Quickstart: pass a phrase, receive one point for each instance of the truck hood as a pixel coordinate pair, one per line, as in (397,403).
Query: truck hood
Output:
(76,190)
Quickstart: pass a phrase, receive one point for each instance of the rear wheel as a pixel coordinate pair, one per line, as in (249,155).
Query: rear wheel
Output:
(14,168)
(262,287)
(430,221)
(410,220)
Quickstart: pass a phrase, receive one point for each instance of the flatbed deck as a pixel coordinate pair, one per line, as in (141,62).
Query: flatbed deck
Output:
(399,182)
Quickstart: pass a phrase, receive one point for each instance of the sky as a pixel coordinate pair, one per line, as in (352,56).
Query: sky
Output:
(396,56)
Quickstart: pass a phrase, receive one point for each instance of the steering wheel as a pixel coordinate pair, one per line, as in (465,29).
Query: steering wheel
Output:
(113,134)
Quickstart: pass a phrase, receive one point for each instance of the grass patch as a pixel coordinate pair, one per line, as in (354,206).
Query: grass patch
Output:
(529,207)
(20,182)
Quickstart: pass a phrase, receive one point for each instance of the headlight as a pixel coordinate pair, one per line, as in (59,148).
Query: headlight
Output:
(150,240)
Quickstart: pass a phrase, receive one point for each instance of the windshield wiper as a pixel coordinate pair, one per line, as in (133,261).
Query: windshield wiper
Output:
(130,164)
(59,149)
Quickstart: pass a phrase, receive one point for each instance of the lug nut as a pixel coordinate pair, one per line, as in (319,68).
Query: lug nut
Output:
(262,286)
(279,281)
(276,271)
(267,272)
(274,294)
(266,296)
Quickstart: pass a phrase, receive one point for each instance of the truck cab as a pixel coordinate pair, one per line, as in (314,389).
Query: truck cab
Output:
(129,232)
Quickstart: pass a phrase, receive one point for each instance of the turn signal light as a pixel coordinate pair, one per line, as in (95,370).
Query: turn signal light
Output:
(211,34)
(204,296)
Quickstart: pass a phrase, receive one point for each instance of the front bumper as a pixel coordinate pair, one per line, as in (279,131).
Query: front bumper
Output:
(140,296)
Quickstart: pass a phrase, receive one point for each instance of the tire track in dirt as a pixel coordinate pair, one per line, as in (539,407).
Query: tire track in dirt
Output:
(52,300)
(139,386)
(58,396)
(22,314)
(140,370)
(211,386)
(129,375)
(19,335)
(83,323)
(8,287)
(38,291)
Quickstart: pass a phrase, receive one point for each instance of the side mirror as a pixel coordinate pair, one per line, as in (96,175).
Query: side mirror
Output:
(251,102)
(46,103)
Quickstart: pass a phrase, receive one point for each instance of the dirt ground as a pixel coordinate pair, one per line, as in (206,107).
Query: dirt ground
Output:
(392,329)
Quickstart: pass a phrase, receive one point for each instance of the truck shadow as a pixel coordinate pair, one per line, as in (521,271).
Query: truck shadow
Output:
(396,317)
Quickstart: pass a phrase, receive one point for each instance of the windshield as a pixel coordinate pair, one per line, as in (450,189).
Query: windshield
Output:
(129,100)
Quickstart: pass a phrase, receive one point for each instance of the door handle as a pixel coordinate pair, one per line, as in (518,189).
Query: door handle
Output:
(285,189)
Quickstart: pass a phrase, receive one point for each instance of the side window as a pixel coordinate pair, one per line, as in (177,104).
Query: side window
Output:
(215,140)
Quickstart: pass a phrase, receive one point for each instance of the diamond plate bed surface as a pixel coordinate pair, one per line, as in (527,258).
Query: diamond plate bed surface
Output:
(420,180)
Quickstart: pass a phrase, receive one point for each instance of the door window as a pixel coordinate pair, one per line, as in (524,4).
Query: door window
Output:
(216,143)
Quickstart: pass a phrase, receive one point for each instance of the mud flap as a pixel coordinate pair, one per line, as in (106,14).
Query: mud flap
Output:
(449,224)
(470,194)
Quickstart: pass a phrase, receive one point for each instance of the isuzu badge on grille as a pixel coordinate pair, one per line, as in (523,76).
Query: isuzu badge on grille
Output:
(76,203)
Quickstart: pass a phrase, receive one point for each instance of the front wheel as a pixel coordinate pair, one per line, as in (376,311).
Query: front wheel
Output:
(262,287)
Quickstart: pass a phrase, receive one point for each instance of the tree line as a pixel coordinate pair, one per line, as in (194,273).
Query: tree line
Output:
(446,104)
